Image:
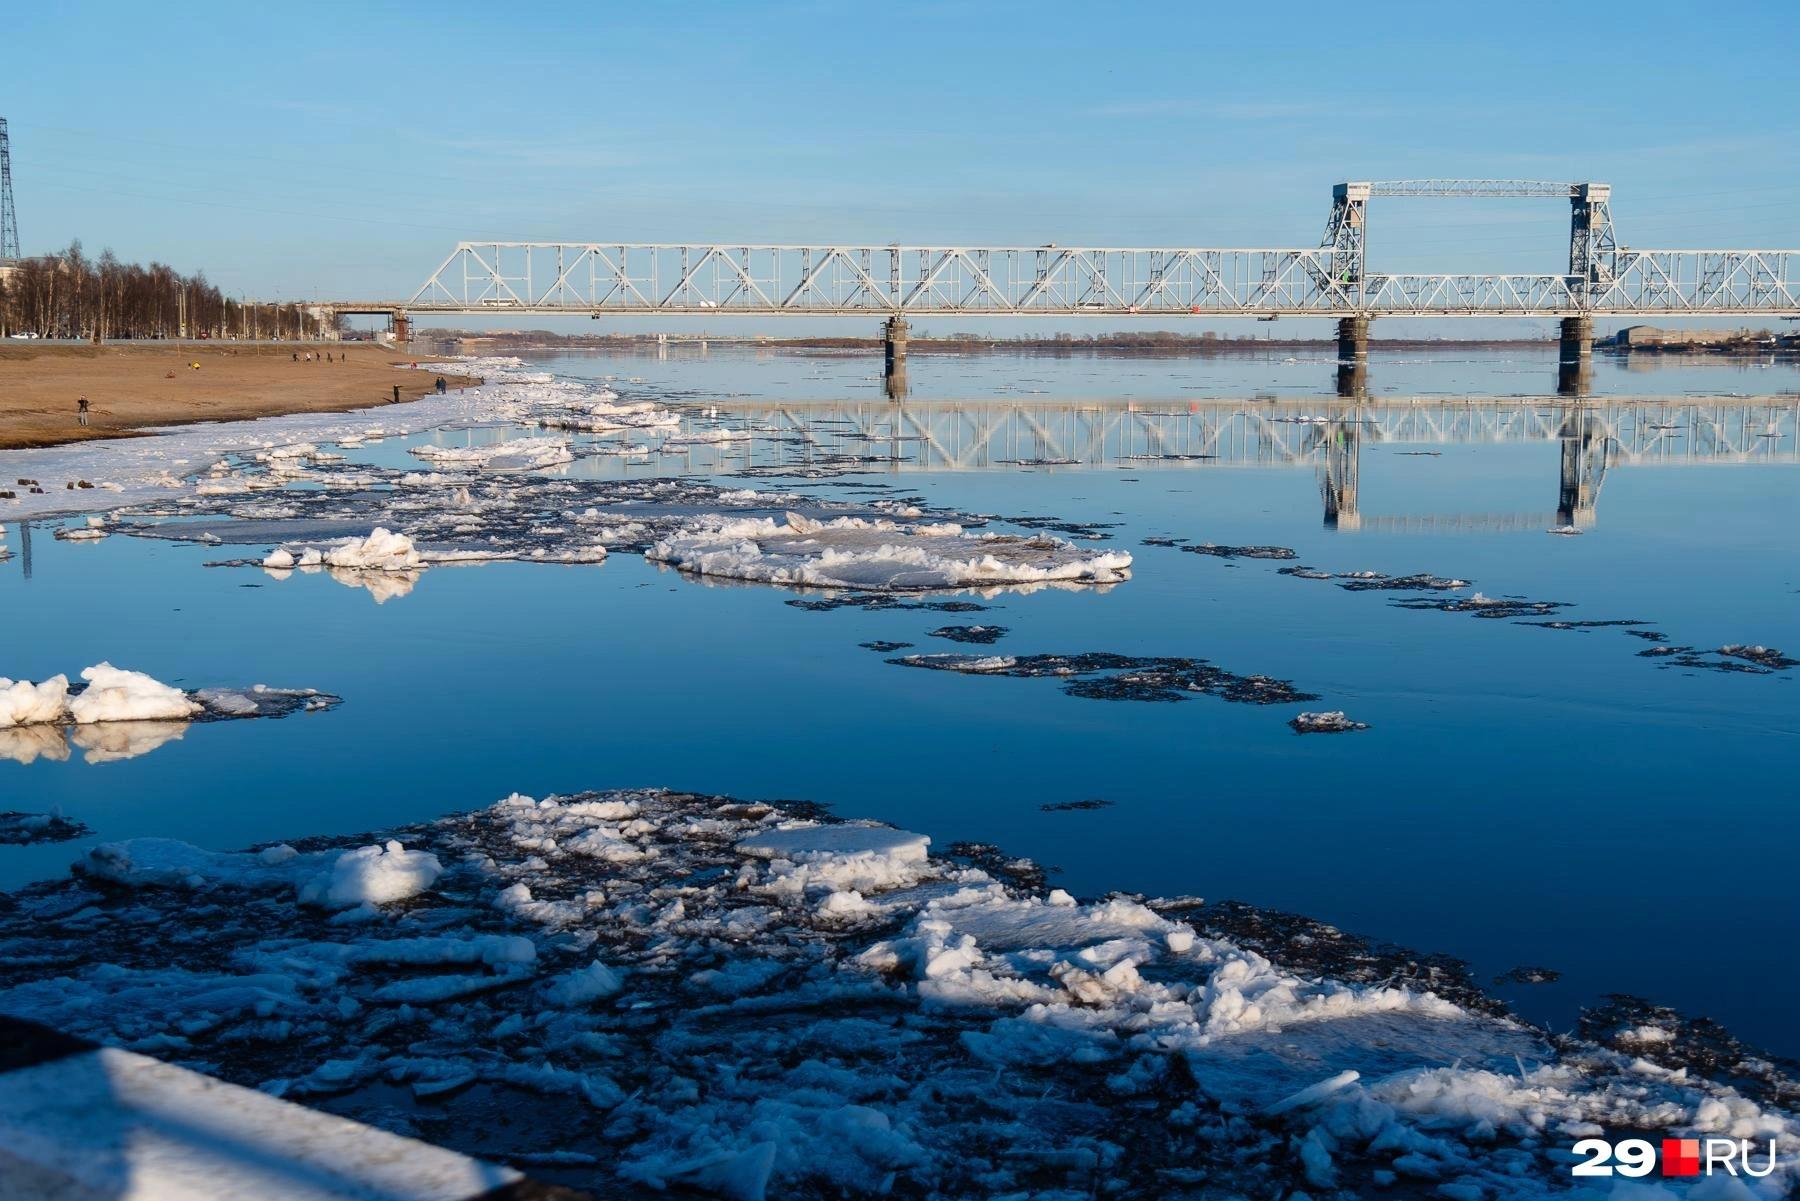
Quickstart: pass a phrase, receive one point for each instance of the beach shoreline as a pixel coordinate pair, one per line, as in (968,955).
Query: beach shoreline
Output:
(133,389)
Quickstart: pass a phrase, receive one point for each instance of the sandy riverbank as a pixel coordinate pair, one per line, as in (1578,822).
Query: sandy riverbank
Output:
(130,388)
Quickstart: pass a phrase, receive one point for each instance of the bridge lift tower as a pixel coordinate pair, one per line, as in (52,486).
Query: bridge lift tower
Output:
(1593,248)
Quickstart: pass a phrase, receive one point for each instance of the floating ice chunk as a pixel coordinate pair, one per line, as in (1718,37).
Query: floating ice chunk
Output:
(523,454)
(263,701)
(372,875)
(1314,1093)
(168,862)
(382,550)
(279,559)
(847,857)
(585,985)
(23,829)
(1330,722)
(23,703)
(735,1175)
(114,694)
(878,555)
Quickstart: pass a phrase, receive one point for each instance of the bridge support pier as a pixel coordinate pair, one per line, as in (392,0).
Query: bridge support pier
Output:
(893,374)
(1353,339)
(1353,355)
(1575,356)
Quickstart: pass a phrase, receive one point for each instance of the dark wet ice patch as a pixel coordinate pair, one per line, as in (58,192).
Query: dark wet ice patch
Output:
(1331,722)
(1100,675)
(978,634)
(1074,806)
(1376,581)
(1643,1029)
(1559,624)
(879,601)
(25,829)
(1529,975)
(226,704)
(1238,552)
(1733,658)
(1494,608)
(883,646)
(1091,531)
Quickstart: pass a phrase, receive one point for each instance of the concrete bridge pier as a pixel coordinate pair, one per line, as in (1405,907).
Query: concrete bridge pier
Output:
(1353,339)
(893,375)
(1575,356)
(1352,356)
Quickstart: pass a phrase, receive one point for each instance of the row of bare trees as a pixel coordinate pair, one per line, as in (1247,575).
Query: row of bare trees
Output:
(69,295)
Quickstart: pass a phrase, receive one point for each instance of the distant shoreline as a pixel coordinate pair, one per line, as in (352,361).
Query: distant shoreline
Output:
(1111,345)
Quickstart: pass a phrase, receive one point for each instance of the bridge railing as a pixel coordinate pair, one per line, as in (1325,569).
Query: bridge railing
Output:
(624,278)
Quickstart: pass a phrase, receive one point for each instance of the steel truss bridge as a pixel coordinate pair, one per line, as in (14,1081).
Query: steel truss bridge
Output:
(1603,277)
(1325,436)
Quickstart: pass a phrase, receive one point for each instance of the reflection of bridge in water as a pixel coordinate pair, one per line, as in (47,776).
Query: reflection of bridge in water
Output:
(1327,436)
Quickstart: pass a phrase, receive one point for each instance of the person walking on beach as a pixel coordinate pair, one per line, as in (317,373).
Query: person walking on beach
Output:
(81,411)
(442,387)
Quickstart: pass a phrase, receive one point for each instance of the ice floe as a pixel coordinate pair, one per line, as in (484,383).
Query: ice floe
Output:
(382,550)
(1101,675)
(878,554)
(761,1002)
(117,714)
(1331,722)
(114,694)
(22,829)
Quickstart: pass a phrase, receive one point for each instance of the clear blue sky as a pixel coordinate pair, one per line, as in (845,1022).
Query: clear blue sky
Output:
(330,149)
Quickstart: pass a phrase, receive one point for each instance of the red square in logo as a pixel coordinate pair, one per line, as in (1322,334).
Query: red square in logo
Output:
(1681,1157)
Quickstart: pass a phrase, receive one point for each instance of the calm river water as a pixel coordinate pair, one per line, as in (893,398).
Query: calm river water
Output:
(1525,794)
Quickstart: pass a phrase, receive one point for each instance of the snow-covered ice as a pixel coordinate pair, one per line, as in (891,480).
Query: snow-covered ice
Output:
(23,703)
(114,694)
(382,550)
(878,554)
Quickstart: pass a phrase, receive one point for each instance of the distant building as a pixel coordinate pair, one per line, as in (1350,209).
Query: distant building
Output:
(1650,336)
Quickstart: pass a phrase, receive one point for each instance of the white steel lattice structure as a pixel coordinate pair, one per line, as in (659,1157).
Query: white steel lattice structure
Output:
(1330,280)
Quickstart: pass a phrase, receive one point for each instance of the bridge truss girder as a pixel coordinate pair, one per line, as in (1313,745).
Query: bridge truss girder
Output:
(705,279)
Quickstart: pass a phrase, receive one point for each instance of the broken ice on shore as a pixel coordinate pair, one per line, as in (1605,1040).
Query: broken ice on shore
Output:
(878,554)
(724,997)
